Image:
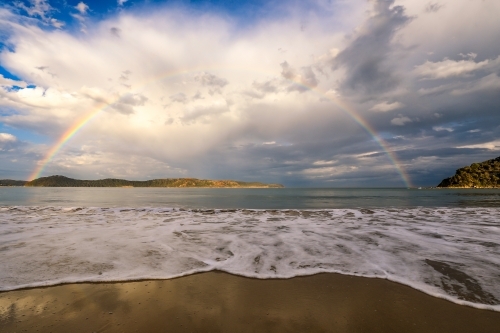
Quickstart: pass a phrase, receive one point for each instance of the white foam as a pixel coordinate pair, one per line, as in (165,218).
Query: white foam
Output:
(453,253)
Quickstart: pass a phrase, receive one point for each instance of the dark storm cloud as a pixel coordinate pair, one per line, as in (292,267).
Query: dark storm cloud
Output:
(433,146)
(308,156)
(307,164)
(367,59)
(450,99)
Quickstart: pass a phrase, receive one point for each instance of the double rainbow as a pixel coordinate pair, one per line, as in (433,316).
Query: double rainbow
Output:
(346,108)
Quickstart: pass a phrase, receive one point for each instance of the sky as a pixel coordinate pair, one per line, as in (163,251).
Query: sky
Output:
(319,93)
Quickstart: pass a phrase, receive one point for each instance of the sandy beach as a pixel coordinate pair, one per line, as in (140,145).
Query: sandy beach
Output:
(220,302)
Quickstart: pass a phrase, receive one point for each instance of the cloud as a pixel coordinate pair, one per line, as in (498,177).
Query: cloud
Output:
(306,77)
(433,7)
(40,8)
(436,90)
(81,16)
(401,121)
(180,98)
(82,8)
(56,23)
(6,137)
(115,31)
(386,106)
(125,104)
(4,82)
(492,145)
(448,68)
(441,128)
(322,162)
(367,59)
(133,99)
(121,2)
(8,144)
(211,80)
(96,94)
(489,82)
(204,113)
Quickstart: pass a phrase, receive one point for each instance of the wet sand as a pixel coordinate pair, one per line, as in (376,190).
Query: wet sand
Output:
(220,302)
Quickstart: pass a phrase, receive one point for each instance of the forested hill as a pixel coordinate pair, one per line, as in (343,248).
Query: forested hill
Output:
(10,182)
(62,181)
(478,175)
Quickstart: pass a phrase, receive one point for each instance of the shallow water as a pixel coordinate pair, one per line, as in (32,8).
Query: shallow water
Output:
(50,236)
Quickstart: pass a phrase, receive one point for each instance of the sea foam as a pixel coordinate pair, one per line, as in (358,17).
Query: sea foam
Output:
(453,253)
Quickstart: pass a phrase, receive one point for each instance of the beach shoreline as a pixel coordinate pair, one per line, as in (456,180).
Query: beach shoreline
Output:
(221,302)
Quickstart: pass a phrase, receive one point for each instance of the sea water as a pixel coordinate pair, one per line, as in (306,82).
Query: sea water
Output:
(443,242)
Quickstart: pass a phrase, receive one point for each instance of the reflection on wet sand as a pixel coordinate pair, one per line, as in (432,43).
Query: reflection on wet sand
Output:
(219,302)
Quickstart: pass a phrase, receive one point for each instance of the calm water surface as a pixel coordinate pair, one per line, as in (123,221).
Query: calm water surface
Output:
(288,198)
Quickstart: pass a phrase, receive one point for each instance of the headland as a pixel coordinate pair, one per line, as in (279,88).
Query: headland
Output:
(478,175)
(62,181)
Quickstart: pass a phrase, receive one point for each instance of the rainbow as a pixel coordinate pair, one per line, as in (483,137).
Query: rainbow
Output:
(342,105)
(363,123)
(65,137)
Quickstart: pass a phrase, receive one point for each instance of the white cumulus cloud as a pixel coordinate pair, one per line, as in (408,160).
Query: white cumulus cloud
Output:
(401,121)
(386,106)
(6,137)
(448,68)
(82,7)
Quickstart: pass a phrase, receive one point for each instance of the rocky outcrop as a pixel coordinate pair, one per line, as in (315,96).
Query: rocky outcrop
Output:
(478,175)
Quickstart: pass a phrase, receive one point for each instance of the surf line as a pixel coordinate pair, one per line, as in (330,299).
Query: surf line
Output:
(342,105)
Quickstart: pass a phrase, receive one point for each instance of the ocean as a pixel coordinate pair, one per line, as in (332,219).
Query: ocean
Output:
(444,242)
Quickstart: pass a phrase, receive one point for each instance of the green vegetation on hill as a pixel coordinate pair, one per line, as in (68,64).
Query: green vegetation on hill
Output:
(479,175)
(10,182)
(61,181)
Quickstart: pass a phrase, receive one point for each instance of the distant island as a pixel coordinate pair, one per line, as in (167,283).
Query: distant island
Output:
(62,181)
(10,182)
(478,175)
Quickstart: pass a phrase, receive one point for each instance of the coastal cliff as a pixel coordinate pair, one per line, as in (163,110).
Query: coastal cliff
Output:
(478,175)
(62,181)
